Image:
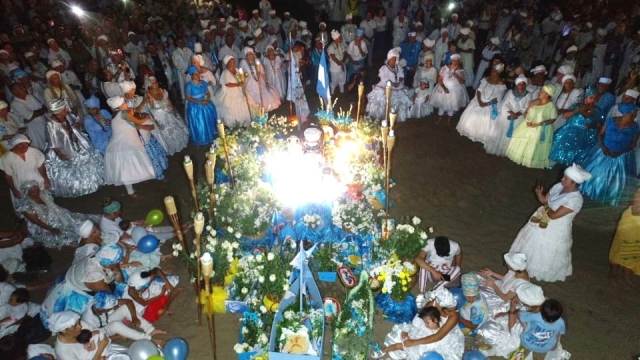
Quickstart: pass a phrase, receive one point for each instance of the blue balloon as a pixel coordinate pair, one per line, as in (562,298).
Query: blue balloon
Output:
(473,355)
(176,349)
(459,296)
(148,243)
(431,355)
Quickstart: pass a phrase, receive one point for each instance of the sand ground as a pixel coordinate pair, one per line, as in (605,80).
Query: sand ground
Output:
(477,199)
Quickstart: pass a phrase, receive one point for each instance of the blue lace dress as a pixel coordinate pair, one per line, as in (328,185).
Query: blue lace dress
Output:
(201,118)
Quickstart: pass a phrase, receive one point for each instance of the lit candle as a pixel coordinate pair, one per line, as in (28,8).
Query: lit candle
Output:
(211,155)
(170,205)
(360,89)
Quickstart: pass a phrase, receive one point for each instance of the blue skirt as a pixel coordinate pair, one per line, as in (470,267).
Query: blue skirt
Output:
(158,156)
(572,143)
(202,123)
(609,175)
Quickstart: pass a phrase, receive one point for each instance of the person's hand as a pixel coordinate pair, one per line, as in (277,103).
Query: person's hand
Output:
(486,273)
(90,346)
(539,190)
(437,276)
(135,321)
(404,335)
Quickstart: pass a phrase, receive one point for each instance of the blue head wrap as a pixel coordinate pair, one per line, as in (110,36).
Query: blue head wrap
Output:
(626,108)
(111,207)
(92,103)
(18,74)
(359,32)
(590,91)
(104,300)
(110,254)
(191,70)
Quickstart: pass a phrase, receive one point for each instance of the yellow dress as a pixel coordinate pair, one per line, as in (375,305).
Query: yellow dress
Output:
(625,248)
(530,146)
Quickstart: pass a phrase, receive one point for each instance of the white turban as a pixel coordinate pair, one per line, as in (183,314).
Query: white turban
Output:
(572,48)
(3,104)
(412,34)
(29,54)
(56,63)
(115,102)
(428,56)
(247,50)
(18,139)
(57,105)
(455,57)
(51,73)
(428,42)
(530,294)
(568,77)
(442,297)
(605,80)
(577,174)
(197,47)
(198,59)
(303,24)
(539,69)
(495,40)
(226,59)
(335,34)
(103,38)
(465,31)
(61,321)
(242,23)
(84,230)
(516,261)
(521,79)
(127,86)
(632,93)
(50,41)
(565,69)
(254,11)
(393,53)
(137,281)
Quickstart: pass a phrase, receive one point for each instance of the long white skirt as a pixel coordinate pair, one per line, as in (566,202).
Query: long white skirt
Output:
(450,102)
(232,107)
(497,141)
(475,122)
(548,250)
(126,164)
(171,131)
(377,104)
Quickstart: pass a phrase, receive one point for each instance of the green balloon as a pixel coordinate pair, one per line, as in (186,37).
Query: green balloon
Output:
(155,357)
(154,217)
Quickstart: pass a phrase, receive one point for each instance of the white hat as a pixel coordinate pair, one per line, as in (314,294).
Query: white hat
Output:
(127,86)
(454,15)
(303,24)
(198,59)
(411,33)
(51,73)
(470,23)
(572,48)
(56,63)
(565,69)
(393,53)
(418,23)
(521,79)
(272,12)
(577,174)
(428,56)
(197,47)
(335,34)
(286,13)
(50,40)
(137,281)
(18,139)
(632,93)
(428,42)
(226,59)
(495,40)
(568,77)
(204,23)
(3,105)
(103,38)
(257,32)
(349,16)
(130,33)
(242,23)
(84,230)
(115,102)
(465,31)
(29,54)
(604,80)
(540,69)
(322,23)
(254,11)
(442,297)
(61,321)
(516,261)
(455,56)
(247,50)
(530,294)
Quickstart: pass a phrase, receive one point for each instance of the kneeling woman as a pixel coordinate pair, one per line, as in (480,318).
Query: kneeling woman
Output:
(434,329)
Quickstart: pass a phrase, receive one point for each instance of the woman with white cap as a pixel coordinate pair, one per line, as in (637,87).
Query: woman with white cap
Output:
(151,289)
(58,90)
(274,71)
(73,164)
(510,115)
(546,238)
(126,159)
(90,240)
(29,114)
(488,53)
(531,142)
(450,94)
(170,125)
(390,73)
(478,118)
(466,47)
(448,340)
(497,290)
(568,100)
(262,98)
(21,164)
(440,48)
(230,99)
(613,159)
(8,126)
(97,124)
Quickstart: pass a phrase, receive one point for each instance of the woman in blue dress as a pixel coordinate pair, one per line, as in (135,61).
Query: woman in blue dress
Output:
(573,140)
(613,159)
(201,113)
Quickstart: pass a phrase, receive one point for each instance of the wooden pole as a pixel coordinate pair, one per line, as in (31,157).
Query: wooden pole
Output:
(360,93)
(188,169)
(223,135)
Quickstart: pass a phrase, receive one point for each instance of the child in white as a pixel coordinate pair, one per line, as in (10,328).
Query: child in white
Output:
(439,261)
(421,105)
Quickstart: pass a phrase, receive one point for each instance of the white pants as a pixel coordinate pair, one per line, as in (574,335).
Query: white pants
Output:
(116,325)
(338,79)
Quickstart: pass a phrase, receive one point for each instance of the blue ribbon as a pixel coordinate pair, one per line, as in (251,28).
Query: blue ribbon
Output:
(511,125)
(494,110)
(543,133)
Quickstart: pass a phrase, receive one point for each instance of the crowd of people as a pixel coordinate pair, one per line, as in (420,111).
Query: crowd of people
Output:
(102,93)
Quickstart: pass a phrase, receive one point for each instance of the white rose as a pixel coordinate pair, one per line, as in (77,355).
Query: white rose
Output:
(263,309)
(261,279)
(416,220)
(244,290)
(285,287)
(423,235)
(238,235)
(245,331)
(263,339)
(272,278)
(238,348)
(270,256)
(175,253)
(235,245)
(431,229)
(230,230)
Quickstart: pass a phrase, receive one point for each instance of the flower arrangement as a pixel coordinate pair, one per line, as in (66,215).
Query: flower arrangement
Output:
(324,258)
(300,332)
(244,210)
(354,215)
(312,221)
(223,249)
(395,277)
(253,337)
(406,240)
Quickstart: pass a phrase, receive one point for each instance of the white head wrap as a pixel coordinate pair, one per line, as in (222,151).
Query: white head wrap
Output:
(137,281)
(428,42)
(57,105)
(197,47)
(516,261)
(530,294)
(572,48)
(226,59)
(303,24)
(115,102)
(103,38)
(51,73)
(465,31)
(428,56)
(127,86)
(18,139)
(539,69)
(568,77)
(393,53)
(442,297)
(632,93)
(61,321)
(335,34)
(84,230)
(521,79)
(247,50)
(565,69)
(56,63)
(495,40)
(605,80)
(3,104)
(50,40)
(577,173)
(455,56)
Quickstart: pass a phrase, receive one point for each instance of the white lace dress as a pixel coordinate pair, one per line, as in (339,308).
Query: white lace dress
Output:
(502,128)
(549,250)
(476,121)
(453,100)
(169,125)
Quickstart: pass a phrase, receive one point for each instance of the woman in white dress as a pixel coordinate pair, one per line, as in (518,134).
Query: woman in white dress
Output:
(426,71)
(568,100)
(230,100)
(512,109)
(262,98)
(546,239)
(477,119)
(126,161)
(58,90)
(497,290)
(448,340)
(74,166)
(273,70)
(450,94)
(391,73)
(169,124)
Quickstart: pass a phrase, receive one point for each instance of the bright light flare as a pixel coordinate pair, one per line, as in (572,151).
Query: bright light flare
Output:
(77,11)
(347,151)
(451,6)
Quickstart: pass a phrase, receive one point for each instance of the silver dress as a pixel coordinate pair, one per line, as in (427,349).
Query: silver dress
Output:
(83,172)
(170,129)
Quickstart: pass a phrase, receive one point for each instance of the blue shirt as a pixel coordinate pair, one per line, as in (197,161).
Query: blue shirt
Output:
(410,52)
(99,133)
(538,335)
(620,139)
(605,103)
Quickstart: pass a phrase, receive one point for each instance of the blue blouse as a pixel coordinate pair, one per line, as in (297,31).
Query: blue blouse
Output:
(619,139)
(99,133)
